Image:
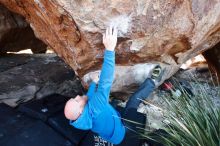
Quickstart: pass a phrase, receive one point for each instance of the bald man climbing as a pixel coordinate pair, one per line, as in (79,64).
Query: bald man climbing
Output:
(93,111)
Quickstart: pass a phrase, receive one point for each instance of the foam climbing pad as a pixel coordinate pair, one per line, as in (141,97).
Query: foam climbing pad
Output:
(61,124)
(20,130)
(44,108)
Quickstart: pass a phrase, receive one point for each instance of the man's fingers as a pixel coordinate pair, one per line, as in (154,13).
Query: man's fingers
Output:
(106,32)
(115,31)
(110,30)
(103,36)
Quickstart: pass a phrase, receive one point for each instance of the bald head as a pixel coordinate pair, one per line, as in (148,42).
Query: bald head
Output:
(74,107)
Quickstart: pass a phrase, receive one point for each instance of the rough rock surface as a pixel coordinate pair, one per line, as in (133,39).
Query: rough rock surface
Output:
(26,77)
(148,30)
(16,34)
(128,78)
(213,58)
(201,82)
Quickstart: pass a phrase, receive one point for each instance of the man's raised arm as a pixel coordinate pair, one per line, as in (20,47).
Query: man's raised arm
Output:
(108,67)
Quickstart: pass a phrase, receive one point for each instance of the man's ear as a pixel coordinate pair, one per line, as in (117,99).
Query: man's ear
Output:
(68,109)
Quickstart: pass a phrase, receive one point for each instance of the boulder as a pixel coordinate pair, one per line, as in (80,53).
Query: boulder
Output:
(25,77)
(16,34)
(213,59)
(150,31)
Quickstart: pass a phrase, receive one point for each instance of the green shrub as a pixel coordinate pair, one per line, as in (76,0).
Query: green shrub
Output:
(193,120)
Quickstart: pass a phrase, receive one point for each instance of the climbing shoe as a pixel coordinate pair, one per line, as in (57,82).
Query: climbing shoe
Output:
(157,73)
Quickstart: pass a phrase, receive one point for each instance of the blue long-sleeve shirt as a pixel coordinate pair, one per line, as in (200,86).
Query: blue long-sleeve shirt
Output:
(98,115)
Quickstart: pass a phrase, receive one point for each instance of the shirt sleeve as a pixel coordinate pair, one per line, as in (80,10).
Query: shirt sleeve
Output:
(106,76)
(91,90)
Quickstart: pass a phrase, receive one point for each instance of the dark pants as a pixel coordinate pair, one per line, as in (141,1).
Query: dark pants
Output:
(130,113)
(143,92)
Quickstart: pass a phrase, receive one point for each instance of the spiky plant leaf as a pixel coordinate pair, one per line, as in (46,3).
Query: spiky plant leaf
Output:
(193,121)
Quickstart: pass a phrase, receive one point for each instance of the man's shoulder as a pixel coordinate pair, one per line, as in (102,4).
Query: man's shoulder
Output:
(98,98)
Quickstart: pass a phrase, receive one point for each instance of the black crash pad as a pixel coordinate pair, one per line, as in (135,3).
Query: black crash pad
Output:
(16,129)
(54,104)
(45,107)
(61,124)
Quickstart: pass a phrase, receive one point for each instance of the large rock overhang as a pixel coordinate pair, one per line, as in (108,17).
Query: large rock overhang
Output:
(16,34)
(169,32)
